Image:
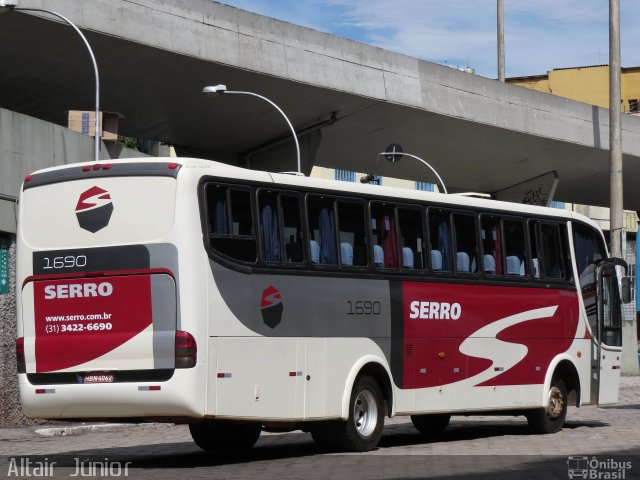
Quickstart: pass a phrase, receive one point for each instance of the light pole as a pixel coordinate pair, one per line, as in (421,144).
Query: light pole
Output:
(501,76)
(12,5)
(217,90)
(629,361)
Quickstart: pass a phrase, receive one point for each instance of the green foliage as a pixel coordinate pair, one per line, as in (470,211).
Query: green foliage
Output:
(129,142)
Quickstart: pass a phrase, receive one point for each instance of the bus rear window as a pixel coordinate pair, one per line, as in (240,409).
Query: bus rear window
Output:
(230,222)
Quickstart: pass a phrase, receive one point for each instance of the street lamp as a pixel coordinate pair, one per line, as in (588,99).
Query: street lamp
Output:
(394,153)
(12,5)
(217,90)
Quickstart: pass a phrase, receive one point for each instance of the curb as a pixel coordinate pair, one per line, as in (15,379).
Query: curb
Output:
(103,427)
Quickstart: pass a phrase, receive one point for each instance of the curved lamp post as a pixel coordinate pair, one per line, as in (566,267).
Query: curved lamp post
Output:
(12,5)
(217,90)
(392,155)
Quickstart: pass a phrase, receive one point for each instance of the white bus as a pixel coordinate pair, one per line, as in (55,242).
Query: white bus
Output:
(238,300)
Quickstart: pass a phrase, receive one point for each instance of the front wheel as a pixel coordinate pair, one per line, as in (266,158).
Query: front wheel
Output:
(219,436)
(551,418)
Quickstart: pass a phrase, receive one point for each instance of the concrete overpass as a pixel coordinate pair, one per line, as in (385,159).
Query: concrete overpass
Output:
(347,100)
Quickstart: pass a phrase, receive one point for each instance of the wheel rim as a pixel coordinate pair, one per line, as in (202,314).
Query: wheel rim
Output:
(365,413)
(556,402)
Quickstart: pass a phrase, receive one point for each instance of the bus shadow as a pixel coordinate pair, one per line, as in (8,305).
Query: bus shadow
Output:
(406,435)
(633,406)
(289,446)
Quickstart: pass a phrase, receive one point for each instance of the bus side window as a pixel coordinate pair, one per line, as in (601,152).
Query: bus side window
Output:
(589,250)
(515,250)
(383,236)
(292,227)
(322,231)
(353,247)
(466,243)
(491,237)
(269,227)
(551,245)
(230,219)
(534,236)
(440,238)
(411,239)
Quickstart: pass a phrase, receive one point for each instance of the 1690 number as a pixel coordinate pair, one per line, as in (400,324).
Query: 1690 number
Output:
(70,261)
(363,307)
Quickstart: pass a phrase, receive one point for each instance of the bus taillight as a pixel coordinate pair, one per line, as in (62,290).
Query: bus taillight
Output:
(186,350)
(22,368)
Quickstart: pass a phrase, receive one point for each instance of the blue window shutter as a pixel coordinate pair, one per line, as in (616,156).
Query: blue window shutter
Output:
(425,186)
(345,175)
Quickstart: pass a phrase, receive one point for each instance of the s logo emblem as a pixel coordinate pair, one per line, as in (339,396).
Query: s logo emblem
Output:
(94,209)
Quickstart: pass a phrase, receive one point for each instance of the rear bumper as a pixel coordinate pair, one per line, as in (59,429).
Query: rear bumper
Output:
(181,396)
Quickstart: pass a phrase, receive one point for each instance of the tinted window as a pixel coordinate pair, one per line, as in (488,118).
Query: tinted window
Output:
(230,222)
(353,250)
(515,249)
(466,243)
(292,228)
(491,236)
(322,231)
(271,240)
(410,237)
(383,235)
(440,238)
(551,245)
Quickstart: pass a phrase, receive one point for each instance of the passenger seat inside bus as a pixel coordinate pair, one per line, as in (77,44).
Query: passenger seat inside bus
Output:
(346,253)
(513,265)
(378,256)
(436,260)
(489,264)
(407,257)
(462,262)
(314,249)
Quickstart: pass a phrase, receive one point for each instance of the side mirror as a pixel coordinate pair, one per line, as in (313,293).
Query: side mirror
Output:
(625,285)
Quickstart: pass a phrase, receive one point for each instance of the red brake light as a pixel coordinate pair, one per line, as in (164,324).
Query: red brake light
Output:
(21,364)
(97,166)
(173,166)
(186,350)
(86,168)
(106,166)
(28,178)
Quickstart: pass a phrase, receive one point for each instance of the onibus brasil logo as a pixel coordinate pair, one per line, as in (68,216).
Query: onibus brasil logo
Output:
(94,209)
(597,468)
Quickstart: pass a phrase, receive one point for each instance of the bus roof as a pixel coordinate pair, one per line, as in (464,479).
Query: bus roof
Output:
(201,167)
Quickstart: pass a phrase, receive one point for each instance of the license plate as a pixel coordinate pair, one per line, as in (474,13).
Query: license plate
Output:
(98,378)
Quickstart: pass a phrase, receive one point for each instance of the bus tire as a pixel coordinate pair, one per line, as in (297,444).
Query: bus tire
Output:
(362,431)
(220,436)
(551,418)
(431,424)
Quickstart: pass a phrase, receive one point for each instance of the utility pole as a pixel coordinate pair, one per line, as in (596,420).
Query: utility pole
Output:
(629,361)
(501,40)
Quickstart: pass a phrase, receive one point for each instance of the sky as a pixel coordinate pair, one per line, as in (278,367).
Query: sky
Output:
(540,35)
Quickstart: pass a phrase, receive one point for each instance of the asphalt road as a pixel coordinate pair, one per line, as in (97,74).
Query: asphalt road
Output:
(596,442)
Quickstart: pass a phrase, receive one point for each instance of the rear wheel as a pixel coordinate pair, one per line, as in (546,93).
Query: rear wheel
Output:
(362,431)
(551,418)
(430,424)
(219,436)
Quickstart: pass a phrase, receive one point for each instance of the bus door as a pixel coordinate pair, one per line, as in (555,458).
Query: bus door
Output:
(607,344)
